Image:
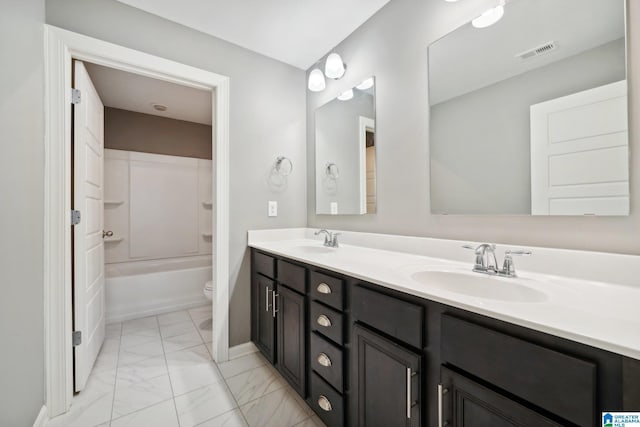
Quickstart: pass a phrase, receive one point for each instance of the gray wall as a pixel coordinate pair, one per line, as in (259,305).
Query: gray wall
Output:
(146,133)
(392,46)
(21,212)
(480,150)
(338,141)
(267,119)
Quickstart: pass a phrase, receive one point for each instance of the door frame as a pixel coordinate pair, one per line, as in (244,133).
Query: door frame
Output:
(61,46)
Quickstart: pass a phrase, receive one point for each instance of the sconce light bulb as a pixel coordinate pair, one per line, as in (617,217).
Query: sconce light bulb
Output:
(366,84)
(334,67)
(346,95)
(316,81)
(489,17)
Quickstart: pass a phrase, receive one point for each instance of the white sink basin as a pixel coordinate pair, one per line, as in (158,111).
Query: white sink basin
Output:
(480,286)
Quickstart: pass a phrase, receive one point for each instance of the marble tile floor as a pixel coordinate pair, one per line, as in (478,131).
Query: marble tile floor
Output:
(158,371)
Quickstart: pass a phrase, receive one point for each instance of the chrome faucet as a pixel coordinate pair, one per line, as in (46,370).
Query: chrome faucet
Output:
(487,263)
(330,239)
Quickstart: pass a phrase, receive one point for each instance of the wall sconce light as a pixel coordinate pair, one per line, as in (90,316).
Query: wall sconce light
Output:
(489,16)
(346,95)
(334,68)
(316,81)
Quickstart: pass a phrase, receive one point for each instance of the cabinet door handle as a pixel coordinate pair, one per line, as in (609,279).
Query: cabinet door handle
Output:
(409,393)
(266,299)
(323,288)
(441,392)
(324,360)
(274,295)
(324,403)
(323,321)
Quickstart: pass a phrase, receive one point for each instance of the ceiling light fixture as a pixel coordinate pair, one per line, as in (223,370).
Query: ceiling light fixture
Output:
(346,95)
(489,16)
(316,80)
(334,68)
(366,84)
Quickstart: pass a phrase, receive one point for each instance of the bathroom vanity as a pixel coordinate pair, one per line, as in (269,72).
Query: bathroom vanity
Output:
(363,351)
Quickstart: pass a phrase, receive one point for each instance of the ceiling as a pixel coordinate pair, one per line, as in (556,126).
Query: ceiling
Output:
(128,91)
(490,52)
(297,32)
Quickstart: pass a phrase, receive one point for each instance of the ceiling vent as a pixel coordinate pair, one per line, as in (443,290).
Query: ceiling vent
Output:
(537,51)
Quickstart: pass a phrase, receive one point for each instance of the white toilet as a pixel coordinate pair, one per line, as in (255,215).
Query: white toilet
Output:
(208,290)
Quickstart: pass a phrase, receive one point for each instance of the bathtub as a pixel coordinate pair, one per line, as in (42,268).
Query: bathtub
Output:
(144,288)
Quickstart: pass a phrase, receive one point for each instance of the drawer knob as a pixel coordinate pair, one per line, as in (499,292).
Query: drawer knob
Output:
(323,288)
(324,403)
(324,360)
(323,321)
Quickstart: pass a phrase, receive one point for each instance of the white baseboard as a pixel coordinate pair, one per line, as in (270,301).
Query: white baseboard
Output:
(242,350)
(42,419)
(156,309)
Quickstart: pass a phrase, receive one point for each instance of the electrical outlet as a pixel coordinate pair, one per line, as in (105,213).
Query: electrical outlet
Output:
(273,208)
(334,208)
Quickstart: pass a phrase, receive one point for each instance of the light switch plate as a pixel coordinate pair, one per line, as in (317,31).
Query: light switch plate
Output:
(273,208)
(334,208)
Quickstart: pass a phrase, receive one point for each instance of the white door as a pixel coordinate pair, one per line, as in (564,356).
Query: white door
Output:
(580,153)
(88,248)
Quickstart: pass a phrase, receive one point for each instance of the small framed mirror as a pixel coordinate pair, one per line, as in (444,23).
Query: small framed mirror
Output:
(345,142)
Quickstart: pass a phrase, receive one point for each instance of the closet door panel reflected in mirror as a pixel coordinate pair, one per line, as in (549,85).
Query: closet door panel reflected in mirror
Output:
(529,116)
(346,153)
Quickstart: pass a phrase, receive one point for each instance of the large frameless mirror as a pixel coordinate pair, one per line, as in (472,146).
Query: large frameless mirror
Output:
(529,115)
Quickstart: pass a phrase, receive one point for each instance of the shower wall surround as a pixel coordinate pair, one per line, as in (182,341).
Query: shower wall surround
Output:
(157,206)
(392,45)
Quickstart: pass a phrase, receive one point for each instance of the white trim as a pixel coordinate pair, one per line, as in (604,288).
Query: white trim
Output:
(364,123)
(242,350)
(42,418)
(60,47)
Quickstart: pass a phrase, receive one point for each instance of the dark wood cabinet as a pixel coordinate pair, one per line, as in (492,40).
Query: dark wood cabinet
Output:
(264,321)
(466,403)
(292,337)
(366,355)
(386,381)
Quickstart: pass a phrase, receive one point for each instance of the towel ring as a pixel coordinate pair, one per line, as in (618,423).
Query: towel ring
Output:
(283,166)
(332,170)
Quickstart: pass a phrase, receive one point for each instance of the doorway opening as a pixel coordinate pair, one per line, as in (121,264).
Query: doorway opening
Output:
(62,48)
(142,187)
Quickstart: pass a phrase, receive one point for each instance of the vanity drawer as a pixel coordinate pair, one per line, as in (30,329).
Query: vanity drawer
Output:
(400,319)
(327,289)
(264,264)
(561,384)
(293,276)
(326,360)
(326,321)
(326,402)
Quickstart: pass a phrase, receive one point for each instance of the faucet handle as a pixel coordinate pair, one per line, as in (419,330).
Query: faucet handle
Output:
(473,248)
(523,252)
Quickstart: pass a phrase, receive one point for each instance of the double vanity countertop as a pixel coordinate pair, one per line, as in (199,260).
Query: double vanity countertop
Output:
(599,314)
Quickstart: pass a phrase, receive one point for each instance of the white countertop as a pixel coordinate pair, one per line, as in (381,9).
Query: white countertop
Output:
(602,315)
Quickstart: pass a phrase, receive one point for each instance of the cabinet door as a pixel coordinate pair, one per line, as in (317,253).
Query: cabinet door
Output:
(292,355)
(263,331)
(386,381)
(465,403)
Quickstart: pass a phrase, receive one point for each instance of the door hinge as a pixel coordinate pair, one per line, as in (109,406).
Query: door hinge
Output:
(76,96)
(77,338)
(75,217)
